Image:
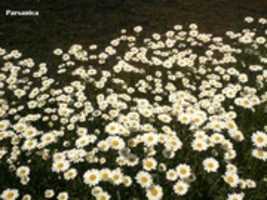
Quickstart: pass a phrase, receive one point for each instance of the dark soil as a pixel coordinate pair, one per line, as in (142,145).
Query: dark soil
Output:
(65,22)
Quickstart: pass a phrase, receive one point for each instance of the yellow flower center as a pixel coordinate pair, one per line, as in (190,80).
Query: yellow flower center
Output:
(92,177)
(144,179)
(260,139)
(10,195)
(154,191)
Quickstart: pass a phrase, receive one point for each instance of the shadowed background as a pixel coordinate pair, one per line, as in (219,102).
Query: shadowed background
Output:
(62,23)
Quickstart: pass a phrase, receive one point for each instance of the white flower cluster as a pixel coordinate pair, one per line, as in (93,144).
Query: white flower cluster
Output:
(158,116)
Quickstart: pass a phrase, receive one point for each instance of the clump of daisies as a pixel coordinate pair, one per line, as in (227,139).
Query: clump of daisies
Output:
(180,114)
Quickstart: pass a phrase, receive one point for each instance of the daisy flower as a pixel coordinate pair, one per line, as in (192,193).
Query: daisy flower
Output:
(144,179)
(183,171)
(259,139)
(155,192)
(10,194)
(236,196)
(149,164)
(232,179)
(60,166)
(210,164)
(91,177)
(103,196)
(180,188)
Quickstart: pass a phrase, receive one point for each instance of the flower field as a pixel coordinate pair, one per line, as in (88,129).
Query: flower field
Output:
(178,115)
